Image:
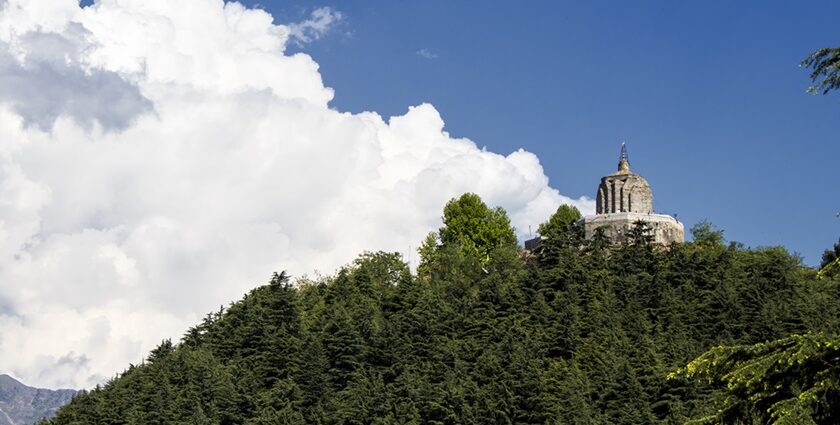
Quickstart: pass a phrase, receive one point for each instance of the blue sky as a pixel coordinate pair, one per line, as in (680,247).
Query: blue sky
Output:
(708,95)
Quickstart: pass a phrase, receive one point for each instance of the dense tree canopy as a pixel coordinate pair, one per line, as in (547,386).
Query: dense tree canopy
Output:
(795,379)
(580,331)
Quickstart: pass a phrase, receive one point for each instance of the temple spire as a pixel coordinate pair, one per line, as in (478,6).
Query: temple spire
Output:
(623,163)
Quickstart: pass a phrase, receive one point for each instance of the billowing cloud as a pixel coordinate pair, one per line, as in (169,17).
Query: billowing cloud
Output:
(41,79)
(159,158)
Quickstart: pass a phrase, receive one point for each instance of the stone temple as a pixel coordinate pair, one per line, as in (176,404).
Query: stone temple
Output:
(624,198)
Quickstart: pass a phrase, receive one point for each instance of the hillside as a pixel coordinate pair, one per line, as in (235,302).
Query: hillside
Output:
(20,404)
(578,331)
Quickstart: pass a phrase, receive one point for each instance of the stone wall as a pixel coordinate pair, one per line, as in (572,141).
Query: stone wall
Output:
(627,192)
(666,229)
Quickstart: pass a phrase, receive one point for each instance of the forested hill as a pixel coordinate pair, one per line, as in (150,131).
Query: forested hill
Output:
(579,331)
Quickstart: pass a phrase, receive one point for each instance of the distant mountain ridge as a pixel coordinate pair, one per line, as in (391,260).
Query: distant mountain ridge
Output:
(23,405)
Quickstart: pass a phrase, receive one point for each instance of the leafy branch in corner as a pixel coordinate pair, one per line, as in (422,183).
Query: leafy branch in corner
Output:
(825,66)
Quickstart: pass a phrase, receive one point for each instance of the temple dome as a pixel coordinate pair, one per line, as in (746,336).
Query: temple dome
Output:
(624,191)
(625,198)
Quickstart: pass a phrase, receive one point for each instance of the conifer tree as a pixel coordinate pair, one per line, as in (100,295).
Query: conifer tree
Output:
(793,380)
(580,331)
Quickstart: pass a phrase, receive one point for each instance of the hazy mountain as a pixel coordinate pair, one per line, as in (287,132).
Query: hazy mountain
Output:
(21,404)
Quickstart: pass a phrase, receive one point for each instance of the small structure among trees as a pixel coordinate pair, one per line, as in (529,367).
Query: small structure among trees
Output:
(624,198)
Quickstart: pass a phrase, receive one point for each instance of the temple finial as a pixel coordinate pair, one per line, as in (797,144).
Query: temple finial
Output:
(623,162)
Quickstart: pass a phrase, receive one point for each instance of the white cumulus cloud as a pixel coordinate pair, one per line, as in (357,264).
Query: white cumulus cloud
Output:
(159,158)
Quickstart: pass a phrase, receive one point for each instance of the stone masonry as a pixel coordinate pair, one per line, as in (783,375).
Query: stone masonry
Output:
(623,198)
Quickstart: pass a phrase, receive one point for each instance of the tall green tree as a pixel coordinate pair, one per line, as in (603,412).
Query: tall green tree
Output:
(471,228)
(469,223)
(825,77)
(706,233)
(563,230)
(561,223)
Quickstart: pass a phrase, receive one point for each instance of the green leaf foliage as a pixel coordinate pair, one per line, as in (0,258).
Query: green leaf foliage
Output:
(578,332)
(471,230)
(706,233)
(793,380)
